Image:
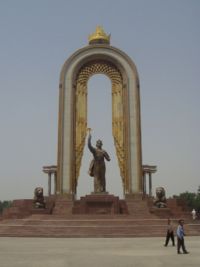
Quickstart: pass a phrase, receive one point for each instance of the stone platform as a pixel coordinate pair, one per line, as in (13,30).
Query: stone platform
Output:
(93,216)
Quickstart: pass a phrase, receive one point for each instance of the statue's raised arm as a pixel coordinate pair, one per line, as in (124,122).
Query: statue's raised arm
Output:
(91,148)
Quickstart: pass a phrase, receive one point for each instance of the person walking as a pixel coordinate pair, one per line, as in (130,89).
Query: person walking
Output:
(170,233)
(180,238)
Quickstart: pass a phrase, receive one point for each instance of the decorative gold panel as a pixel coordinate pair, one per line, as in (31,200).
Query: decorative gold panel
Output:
(118,116)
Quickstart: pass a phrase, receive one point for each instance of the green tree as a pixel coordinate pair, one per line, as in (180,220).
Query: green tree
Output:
(191,199)
(5,204)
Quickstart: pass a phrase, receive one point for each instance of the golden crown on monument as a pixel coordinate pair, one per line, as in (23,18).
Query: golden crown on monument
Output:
(99,37)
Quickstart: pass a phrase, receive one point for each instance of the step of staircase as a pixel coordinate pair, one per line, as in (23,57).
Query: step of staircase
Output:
(89,226)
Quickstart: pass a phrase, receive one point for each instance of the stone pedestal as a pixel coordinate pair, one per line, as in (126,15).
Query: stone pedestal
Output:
(134,196)
(63,205)
(99,204)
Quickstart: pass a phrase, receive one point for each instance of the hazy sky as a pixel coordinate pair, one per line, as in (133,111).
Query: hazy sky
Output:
(37,37)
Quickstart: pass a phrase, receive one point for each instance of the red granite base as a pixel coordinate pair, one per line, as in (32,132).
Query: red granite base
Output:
(91,216)
(100,204)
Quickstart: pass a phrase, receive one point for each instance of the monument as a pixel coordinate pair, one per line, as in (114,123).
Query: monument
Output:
(99,57)
(60,213)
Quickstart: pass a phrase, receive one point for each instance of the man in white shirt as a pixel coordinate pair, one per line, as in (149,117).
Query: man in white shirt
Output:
(180,238)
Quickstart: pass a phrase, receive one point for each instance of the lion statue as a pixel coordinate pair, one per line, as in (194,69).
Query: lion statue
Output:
(39,198)
(160,200)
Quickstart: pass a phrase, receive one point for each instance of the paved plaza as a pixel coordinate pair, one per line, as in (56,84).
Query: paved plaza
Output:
(98,252)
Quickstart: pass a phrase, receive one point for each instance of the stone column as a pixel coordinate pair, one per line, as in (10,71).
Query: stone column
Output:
(144,183)
(55,181)
(49,183)
(51,170)
(150,184)
(148,169)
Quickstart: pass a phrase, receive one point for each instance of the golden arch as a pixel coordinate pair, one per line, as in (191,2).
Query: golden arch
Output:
(118,114)
(75,73)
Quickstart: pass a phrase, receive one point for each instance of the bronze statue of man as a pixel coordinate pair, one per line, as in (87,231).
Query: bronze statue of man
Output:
(97,166)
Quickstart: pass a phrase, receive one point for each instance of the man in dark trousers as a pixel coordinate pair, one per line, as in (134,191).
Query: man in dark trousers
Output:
(170,233)
(180,238)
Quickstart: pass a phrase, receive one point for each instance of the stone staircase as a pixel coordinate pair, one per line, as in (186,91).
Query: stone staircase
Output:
(88,226)
(139,222)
